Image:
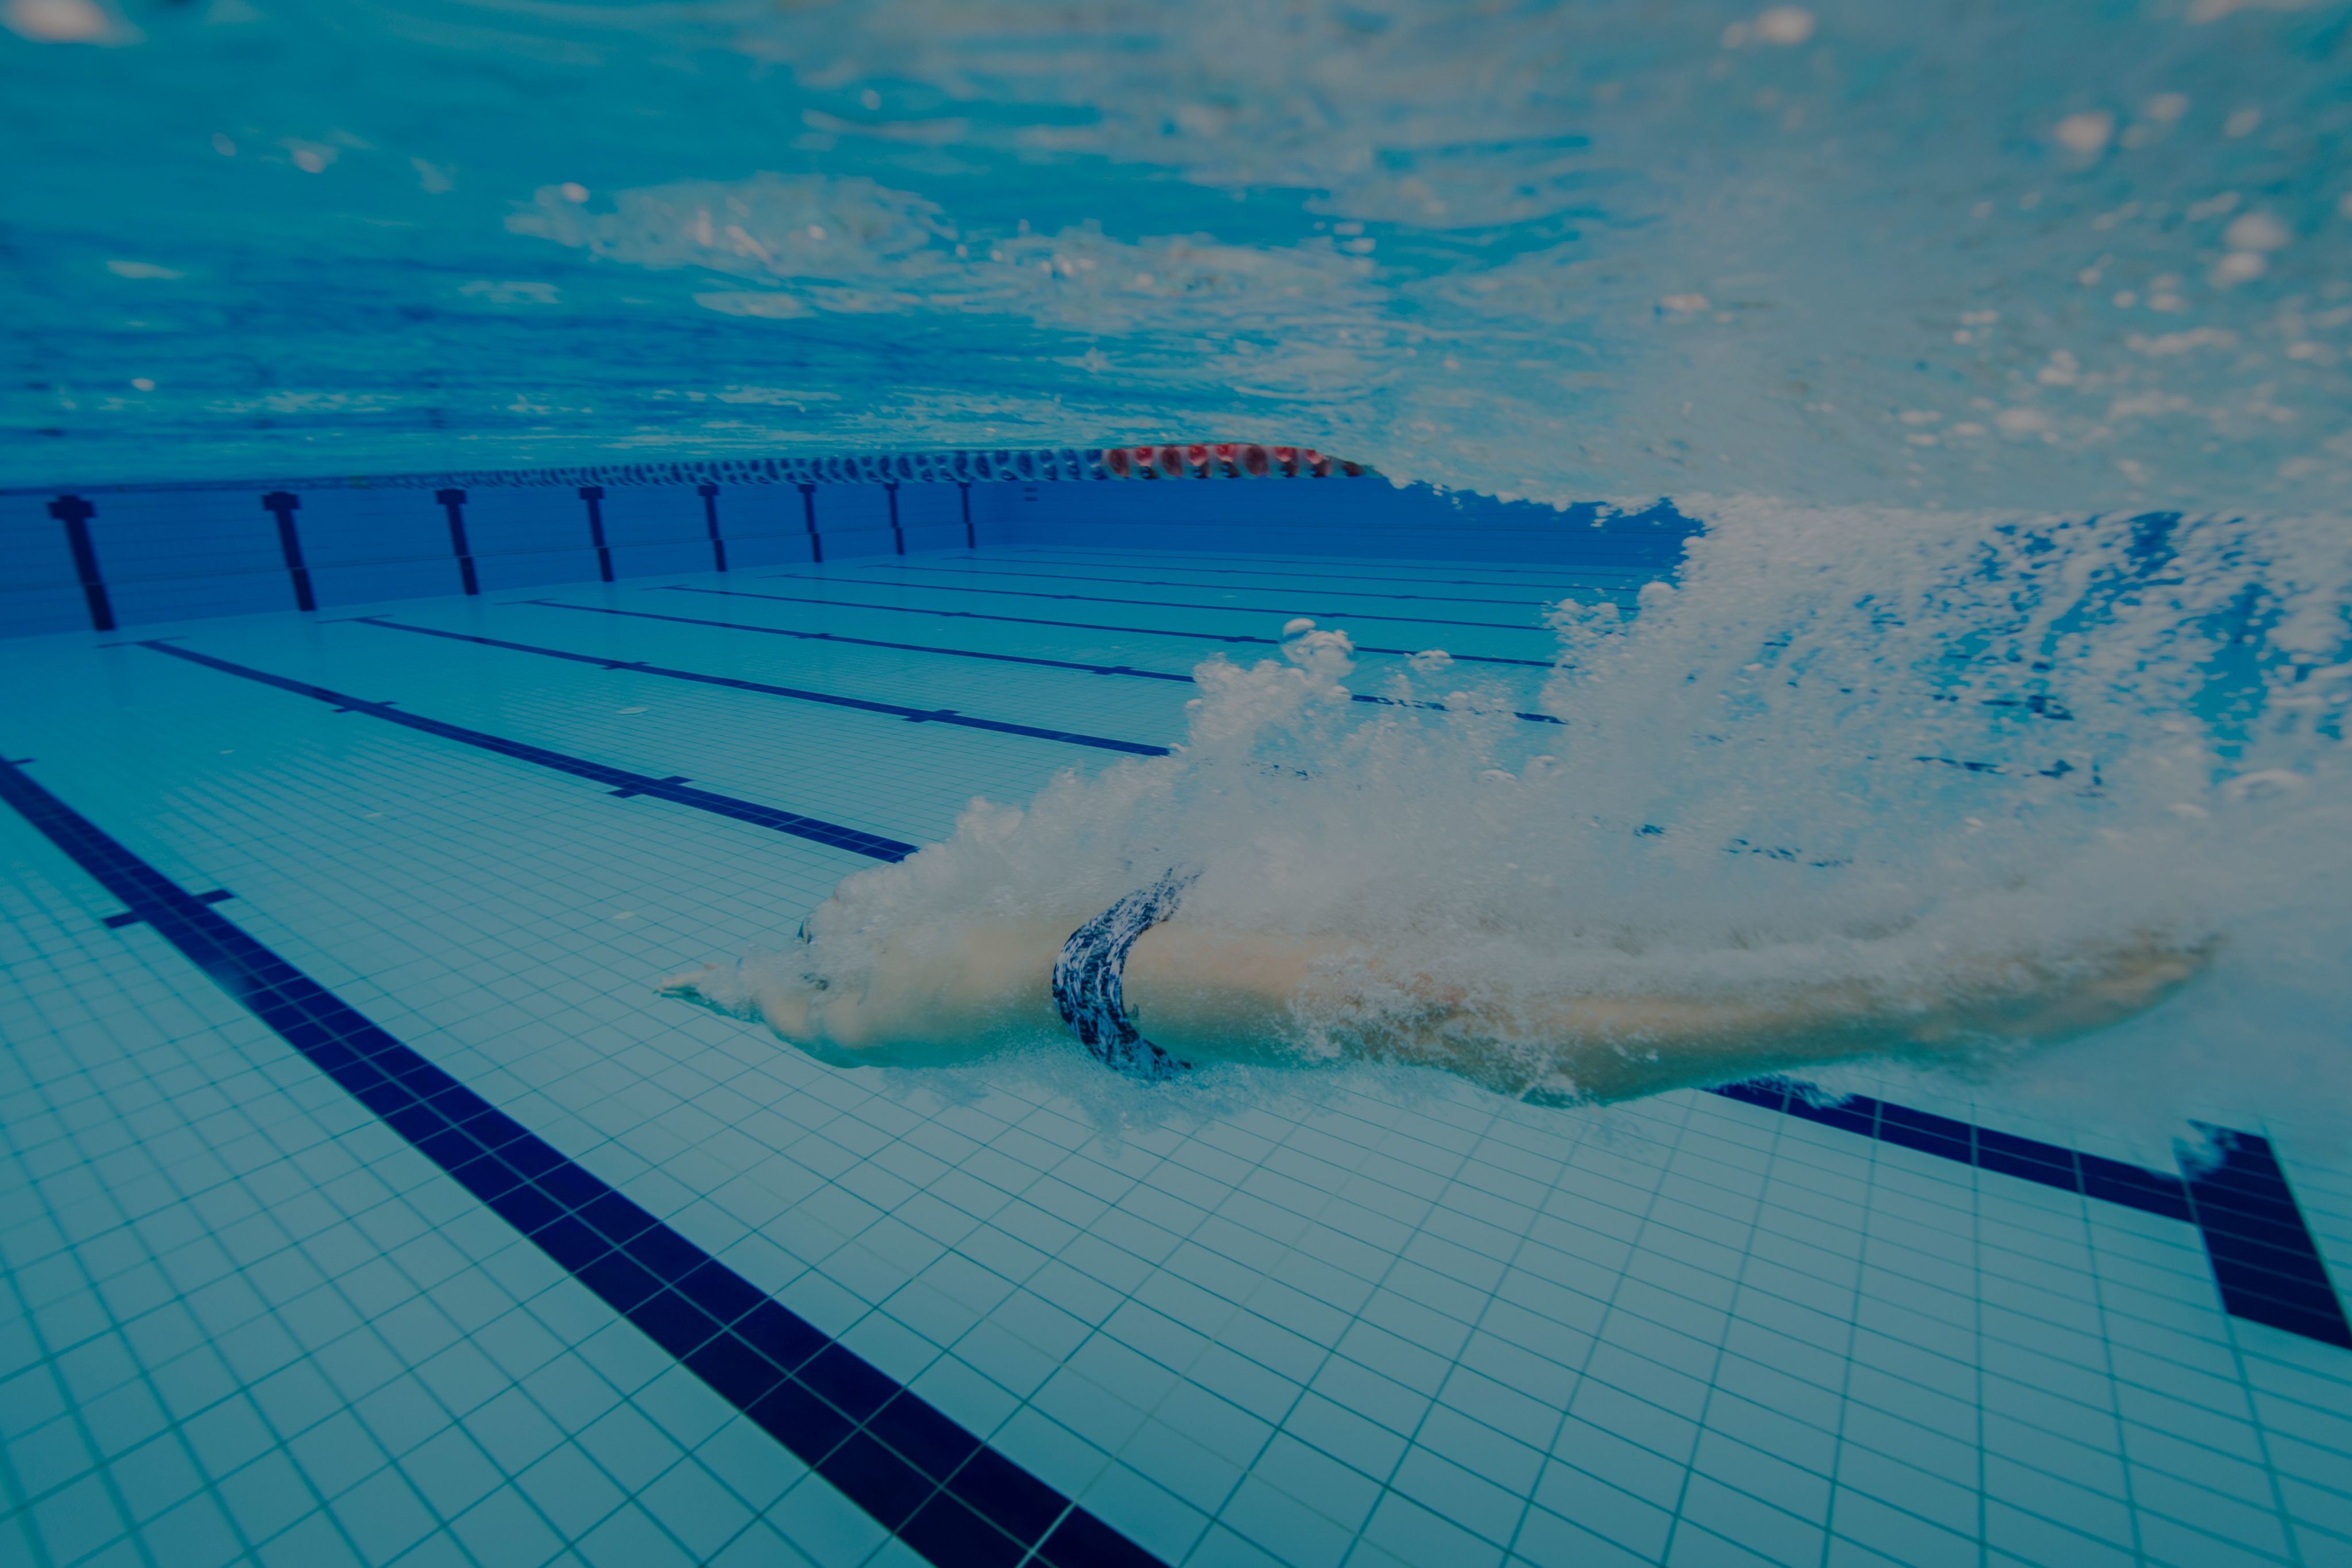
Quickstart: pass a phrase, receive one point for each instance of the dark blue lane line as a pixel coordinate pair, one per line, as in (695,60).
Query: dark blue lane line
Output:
(946,652)
(624,783)
(1162,560)
(929,1482)
(895,710)
(1076,626)
(2233,1191)
(1165,582)
(1531,624)
(863,641)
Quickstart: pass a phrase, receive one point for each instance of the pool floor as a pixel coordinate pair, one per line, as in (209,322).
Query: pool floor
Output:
(358,1199)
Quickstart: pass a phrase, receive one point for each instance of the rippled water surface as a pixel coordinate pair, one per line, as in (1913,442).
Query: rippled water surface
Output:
(1996,350)
(2003,254)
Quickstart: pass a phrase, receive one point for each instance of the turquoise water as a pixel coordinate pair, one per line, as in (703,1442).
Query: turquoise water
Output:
(2060,256)
(1997,353)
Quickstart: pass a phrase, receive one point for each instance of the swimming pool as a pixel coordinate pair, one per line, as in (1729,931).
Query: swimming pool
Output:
(367,1207)
(1522,513)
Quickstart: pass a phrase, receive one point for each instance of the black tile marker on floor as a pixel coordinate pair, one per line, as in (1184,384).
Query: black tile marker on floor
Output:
(623,782)
(937,1487)
(2262,1254)
(132,917)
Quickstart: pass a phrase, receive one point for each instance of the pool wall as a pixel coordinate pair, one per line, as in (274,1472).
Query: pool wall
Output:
(99,556)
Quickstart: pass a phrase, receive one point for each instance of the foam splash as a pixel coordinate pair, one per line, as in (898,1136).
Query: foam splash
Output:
(1808,760)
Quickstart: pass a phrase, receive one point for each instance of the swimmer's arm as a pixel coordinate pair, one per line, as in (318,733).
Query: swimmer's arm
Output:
(1611,1048)
(1203,994)
(1206,993)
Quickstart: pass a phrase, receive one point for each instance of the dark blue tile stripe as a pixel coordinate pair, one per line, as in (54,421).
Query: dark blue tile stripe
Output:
(895,710)
(593,495)
(1550,572)
(1530,624)
(1000,571)
(862,642)
(282,505)
(709,494)
(75,513)
(623,782)
(453,508)
(1077,665)
(1076,625)
(2262,1254)
(955,1500)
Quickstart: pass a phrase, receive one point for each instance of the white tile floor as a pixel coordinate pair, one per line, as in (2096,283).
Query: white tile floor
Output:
(1373,1321)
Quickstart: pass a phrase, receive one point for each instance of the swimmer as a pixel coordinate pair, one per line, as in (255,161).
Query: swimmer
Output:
(1152,995)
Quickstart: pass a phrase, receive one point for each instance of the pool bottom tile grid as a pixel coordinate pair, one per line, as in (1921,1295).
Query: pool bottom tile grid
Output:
(362,1203)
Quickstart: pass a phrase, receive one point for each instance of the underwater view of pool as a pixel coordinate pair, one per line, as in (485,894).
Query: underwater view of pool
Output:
(1257,782)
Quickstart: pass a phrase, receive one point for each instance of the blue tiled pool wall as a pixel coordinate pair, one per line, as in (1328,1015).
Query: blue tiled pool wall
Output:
(96,557)
(1361,517)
